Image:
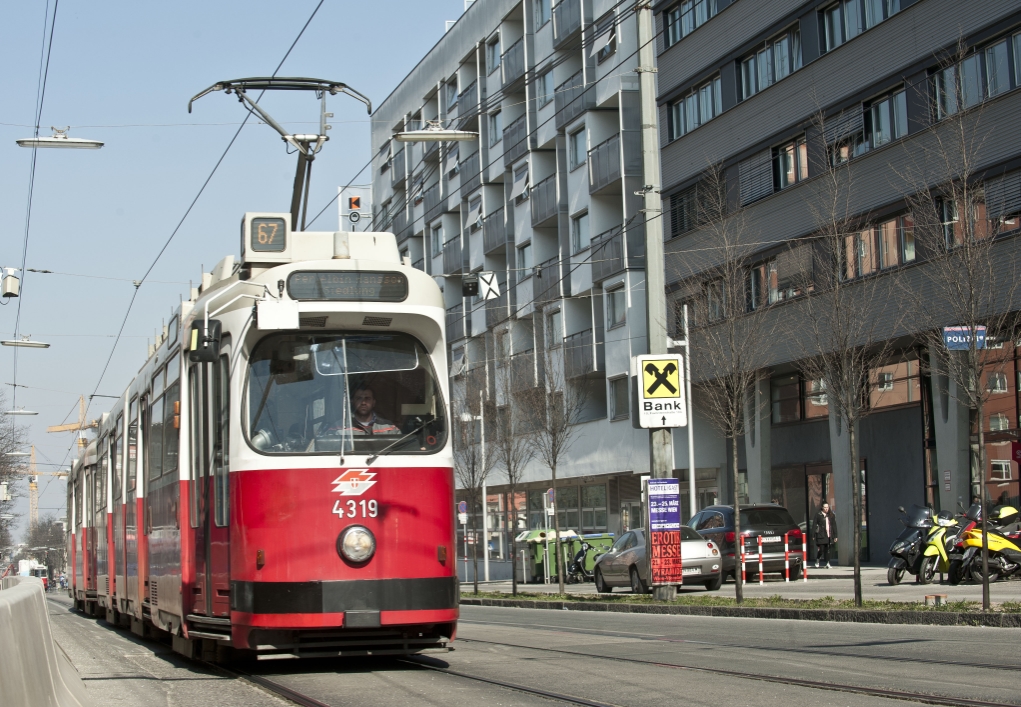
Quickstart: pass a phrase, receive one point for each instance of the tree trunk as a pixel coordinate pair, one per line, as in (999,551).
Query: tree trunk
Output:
(982,493)
(852,444)
(738,540)
(556,530)
(512,526)
(475,545)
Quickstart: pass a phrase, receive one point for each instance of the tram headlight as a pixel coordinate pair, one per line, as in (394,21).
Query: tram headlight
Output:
(356,543)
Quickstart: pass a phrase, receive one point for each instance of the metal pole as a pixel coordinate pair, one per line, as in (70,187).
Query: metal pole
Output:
(692,501)
(660,440)
(485,503)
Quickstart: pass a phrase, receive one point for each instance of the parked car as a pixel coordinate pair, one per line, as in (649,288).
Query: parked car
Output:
(625,566)
(767,520)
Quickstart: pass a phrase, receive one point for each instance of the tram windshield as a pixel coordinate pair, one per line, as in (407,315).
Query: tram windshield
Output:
(343,392)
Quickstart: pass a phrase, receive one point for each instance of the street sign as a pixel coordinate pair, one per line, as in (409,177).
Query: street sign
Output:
(958,338)
(489,288)
(356,209)
(665,562)
(661,399)
(946,479)
(462,518)
(462,507)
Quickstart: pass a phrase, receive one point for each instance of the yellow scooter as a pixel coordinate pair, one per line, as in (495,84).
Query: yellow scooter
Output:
(1004,550)
(938,543)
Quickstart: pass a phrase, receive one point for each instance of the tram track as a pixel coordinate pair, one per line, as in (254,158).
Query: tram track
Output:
(904,695)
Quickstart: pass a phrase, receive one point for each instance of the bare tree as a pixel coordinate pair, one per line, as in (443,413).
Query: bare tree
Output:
(12,439)
(849,317)
(731,334)
(45,541)
(971,277)
(473,453)
(513,448)
(556,406)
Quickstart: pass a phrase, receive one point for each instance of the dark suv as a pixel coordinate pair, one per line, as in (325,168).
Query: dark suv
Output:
(767,520)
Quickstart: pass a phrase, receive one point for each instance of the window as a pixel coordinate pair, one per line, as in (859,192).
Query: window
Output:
(566,503)
(889,246)
(593,508)
(998,422)
(776,60)
(619,408)
(579,233)
(716,300)
(859,255)
(702,105)
(896,383)
(544,88)
(450,164)
(785,394)
(907,238)
(790,164)
(605,42)
(436,242)
(997,69)
(841,23)
(996,382)
(884,381)
(493,55)
(782,278)
(684,18)
(816,401)
(474,218)
(525,261)
(616,307)
(220,439)
(554,329)
(577,149)
(1000,470)
(878,10)
(541,9)
(452,94)
(519,191)
(495,127)
(1017,58)
(888,119)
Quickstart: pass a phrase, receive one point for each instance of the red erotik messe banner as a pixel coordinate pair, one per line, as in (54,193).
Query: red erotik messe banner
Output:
(665,560)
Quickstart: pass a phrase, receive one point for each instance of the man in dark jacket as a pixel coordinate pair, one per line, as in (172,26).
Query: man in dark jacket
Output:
(825,528)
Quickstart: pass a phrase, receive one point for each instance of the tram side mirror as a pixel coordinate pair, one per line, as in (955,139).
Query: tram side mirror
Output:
(204,348)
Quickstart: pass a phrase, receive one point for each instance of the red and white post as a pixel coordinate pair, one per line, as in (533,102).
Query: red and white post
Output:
(786,559)
(744,572)
(804,557)
(761,581)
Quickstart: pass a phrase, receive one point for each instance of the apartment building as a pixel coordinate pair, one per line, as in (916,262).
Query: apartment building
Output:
(781,95)
(546,199)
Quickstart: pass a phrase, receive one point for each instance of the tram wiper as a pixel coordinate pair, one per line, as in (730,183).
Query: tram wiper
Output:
(390,446)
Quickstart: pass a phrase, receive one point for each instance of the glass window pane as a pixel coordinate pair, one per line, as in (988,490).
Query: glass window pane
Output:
(781,58)
(947,91)
(802,159)
(156,439)
(852,19)
(691,113)
(900,114)
(971,81)
(873,12)
(834,33)
(907,239)
(705,103)
(785,394)
(796,48)
(1017,58)
(748,77)
(764,60)
(889,248)
(717,97)
(881,129)
(997,69)
(867,262)
(593,496)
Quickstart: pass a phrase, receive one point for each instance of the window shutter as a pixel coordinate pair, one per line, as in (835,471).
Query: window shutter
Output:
(843,125)
(756,177)
(1003,195)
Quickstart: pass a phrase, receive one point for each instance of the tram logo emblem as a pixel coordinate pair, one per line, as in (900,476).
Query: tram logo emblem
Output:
(354,482)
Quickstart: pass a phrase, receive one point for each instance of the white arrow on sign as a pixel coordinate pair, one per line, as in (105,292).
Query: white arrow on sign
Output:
(489,288)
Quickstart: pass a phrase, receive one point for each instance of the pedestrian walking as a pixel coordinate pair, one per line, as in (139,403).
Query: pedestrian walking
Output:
(825,528)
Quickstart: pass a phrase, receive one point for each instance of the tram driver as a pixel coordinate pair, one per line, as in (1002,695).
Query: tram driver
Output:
(364,420)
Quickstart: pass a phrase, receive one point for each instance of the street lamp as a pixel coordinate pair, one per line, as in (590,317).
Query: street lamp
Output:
(25,342)
(20,412)
(61,140)
(17,454)
(434,132)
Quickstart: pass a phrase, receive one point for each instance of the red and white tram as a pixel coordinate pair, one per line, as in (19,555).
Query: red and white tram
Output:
(278,476)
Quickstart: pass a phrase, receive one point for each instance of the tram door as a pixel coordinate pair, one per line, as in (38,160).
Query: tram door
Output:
(210,491)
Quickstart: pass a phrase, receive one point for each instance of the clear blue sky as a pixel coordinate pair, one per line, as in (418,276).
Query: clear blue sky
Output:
(123,73)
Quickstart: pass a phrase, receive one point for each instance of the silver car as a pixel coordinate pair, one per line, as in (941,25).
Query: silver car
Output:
(625,566)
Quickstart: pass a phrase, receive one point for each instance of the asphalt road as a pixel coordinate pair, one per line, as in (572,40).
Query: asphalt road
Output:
(589,658)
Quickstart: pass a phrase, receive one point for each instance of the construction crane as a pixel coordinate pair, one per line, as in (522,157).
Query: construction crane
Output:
(33,486)
(79,426)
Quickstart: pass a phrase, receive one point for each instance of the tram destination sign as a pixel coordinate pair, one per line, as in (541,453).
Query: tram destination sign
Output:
(347,286)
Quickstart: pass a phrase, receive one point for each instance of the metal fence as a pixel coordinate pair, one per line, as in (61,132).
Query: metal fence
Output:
(607,254)
(583,354)
(572,99)
(452,256)
(604,164)
(455,322)
(515,141)
(513,62)
(433,202)
(547,287)
(471,175)
(566,20)
(543,197)
(397,169)
(494,233)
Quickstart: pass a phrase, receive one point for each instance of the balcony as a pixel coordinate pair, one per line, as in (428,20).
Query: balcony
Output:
(455,322)
(452,263)
(398,172)
(400,226)
(572,99)
(419,264)
(471,173)
(497,310)
(433,202)
(584,355)
(566,21)
(547,287)
(635,237)
(494,233)
(515,141)
(513,63)
(523,371)
(431,151)
(468,102)
(545,204)
(607,254)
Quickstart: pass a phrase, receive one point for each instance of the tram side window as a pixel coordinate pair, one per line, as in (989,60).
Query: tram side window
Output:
(100,480)
(118,461)
(171,427)
(78,500)
(220,416)
(132,444)
(197,446)
(155,435)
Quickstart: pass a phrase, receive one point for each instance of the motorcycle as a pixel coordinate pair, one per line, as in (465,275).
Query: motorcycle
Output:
(1004,547)
(906,550)
(939,543)
(576,572)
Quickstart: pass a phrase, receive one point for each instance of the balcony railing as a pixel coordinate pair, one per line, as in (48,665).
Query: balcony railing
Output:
(566,21)
(607,254)
(523,370)
(471,174)
(543,197)
(515,141)
(583,354)
(494,232)
(497,310)
(397,169)
(433,202)
(572,99)
(455,322)
(547,287)
(635,239)
(400,226)
(452,263)
(604,164)
(431,150)
(419,264)
(468,101)
(513,62)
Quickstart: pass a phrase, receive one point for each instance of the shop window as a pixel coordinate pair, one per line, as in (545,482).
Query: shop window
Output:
(567,507)
(593,508)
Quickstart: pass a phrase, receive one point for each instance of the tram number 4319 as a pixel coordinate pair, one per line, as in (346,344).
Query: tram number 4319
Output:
(356,509)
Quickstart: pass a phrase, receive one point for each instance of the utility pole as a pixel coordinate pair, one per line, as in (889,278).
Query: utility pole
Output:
(661,450)
(33,492)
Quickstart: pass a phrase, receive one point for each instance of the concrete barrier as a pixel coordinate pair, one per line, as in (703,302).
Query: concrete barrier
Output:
(33,672)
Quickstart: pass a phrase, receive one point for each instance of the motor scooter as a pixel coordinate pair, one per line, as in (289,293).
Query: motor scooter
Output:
(577,573)
(906,550)
(1004,547)
(939,543)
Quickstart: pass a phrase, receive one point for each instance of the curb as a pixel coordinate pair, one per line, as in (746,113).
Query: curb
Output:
(927,618)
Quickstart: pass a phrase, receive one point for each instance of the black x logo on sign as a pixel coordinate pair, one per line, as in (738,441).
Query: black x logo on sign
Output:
(655,379)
